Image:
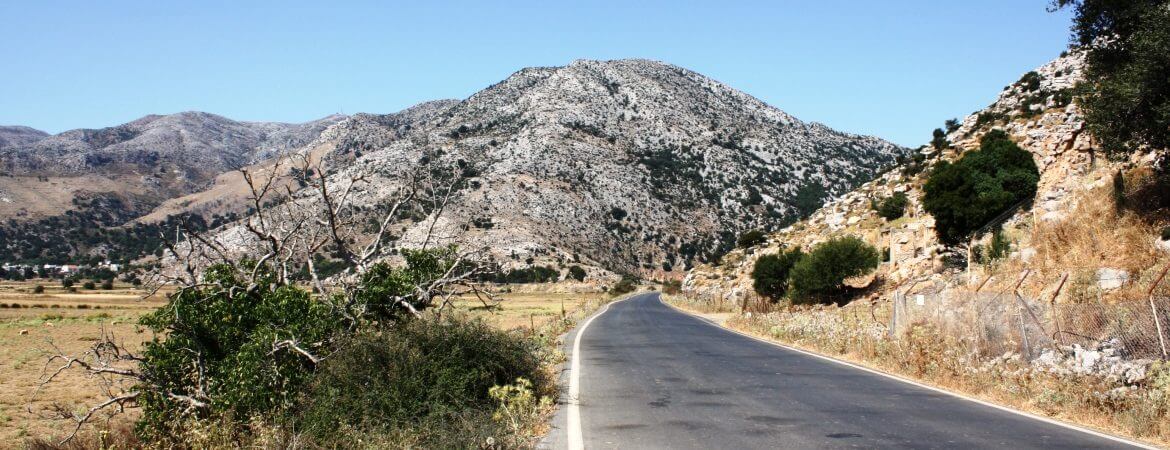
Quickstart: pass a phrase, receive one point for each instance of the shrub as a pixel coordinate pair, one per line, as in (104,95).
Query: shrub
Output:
(66,283)
(256,344)
(820,275)
(626,285)
(576,273)
(89,285)
(770,274)
(981,185)
(671,287)
(423,372)
(998,248)
(892,207)
(107,285)
(751,238)
(228,331)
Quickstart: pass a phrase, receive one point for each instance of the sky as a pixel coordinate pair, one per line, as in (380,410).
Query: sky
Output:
(893,69)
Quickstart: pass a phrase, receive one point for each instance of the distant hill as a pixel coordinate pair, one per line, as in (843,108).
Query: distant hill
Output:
(87,179)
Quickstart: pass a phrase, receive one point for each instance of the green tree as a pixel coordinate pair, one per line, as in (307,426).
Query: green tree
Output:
(1126,92)
(820,275)
(770,274)
(952,125)
(939,140)
(981,185)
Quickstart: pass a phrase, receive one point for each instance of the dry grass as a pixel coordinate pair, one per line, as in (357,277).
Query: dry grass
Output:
(924,353)
(529,310)
(31,323)
(71,321)
(1095,235)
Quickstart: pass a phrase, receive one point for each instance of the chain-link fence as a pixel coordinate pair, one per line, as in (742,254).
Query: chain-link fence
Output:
(1025,314)
(1001,320)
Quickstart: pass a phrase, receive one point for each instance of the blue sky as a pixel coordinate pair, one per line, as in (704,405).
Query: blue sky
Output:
(893,69)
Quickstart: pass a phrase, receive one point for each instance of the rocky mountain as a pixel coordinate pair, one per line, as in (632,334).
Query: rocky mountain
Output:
(144,161)
(628,165)
(81,181)
(18,136)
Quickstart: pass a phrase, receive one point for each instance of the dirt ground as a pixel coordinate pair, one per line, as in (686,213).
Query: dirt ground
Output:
(33,325)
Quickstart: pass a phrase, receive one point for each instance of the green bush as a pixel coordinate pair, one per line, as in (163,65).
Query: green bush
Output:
(38,289)
(624,286)
(107,285)
(246,349)
(751,238)
(225,333)
(770,274)
(981,185)
(89,285)
(577,273)
(820,275)
(892,207)
(66,283)
(425,372)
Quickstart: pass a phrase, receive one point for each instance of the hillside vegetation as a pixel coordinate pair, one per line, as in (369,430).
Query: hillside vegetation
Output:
(1025,263)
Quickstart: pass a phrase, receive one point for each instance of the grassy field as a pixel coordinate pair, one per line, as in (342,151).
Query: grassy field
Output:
(32,325)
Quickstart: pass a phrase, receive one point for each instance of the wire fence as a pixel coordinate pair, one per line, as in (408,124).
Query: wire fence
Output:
(1026,315)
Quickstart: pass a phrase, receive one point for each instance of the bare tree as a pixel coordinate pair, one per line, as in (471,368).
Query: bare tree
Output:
(302,215)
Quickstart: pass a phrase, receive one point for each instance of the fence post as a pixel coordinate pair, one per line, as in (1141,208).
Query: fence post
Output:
(1154,310)
(983,283)
(1052,307)
(894,314)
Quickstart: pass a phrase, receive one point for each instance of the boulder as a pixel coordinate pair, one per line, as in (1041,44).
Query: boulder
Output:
(1109,279)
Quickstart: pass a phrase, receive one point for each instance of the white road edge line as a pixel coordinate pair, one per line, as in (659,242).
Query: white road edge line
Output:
(915,383)
(576,437)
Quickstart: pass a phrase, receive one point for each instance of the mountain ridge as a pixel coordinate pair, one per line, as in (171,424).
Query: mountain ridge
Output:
(583,162)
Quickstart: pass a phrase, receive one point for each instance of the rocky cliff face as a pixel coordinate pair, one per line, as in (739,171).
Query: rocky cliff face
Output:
(1035,111)
(630,165)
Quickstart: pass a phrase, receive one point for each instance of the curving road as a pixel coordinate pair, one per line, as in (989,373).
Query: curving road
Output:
(654,377)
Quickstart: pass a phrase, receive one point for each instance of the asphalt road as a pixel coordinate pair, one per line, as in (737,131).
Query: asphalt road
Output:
(654,377)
